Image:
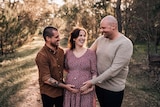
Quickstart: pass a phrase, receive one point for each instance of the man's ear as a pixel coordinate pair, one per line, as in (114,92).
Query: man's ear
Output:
(48,38)
(113,26)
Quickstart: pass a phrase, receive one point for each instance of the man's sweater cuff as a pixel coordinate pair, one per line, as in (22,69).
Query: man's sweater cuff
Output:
(93,81)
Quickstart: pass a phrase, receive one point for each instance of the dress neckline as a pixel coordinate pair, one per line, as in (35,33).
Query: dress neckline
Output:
(81,55)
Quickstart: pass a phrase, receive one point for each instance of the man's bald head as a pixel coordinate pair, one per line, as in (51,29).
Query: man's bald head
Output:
(111,20)
(109,27)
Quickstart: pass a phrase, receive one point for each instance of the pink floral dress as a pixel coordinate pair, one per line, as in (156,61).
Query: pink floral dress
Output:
(80,69)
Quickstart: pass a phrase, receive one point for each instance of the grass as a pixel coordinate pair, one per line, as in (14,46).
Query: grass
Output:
(140,92)
(140,88)
(15,72)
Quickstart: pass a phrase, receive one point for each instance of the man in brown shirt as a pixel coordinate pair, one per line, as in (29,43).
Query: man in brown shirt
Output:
(50,60)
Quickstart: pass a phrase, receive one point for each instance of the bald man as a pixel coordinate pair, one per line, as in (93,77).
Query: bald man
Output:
(114,52)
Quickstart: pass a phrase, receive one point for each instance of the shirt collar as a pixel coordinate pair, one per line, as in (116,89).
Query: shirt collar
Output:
(50,50)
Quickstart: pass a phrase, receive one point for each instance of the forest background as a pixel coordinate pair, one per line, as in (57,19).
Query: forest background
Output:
(22,20)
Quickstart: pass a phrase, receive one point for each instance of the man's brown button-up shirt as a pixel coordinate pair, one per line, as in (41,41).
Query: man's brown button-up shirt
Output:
(50,64)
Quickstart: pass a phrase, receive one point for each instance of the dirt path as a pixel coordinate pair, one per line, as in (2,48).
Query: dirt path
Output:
(29,96)
(31,93)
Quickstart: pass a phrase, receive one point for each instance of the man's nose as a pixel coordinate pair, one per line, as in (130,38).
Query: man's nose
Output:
(101,30)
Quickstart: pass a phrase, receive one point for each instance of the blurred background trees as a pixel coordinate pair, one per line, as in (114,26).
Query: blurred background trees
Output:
(20,19)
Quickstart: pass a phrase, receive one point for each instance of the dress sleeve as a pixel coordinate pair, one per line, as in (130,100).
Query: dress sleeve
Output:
(66,61)
(93,63)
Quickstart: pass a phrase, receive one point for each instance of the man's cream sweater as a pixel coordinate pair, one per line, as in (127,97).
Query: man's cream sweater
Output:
(113,57)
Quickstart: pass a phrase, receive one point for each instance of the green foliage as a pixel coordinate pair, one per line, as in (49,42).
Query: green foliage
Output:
(14,30)
(69,14)
(8,91)
(142,20)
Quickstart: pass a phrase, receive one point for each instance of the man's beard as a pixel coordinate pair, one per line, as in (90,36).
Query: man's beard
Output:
(107,35)
(54,45)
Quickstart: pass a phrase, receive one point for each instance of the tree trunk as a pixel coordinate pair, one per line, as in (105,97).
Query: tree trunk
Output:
(119,17)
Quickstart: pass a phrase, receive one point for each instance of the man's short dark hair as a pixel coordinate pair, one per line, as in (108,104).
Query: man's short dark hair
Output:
(48,31)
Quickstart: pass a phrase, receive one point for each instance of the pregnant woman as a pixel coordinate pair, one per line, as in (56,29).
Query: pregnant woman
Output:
(80,63)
